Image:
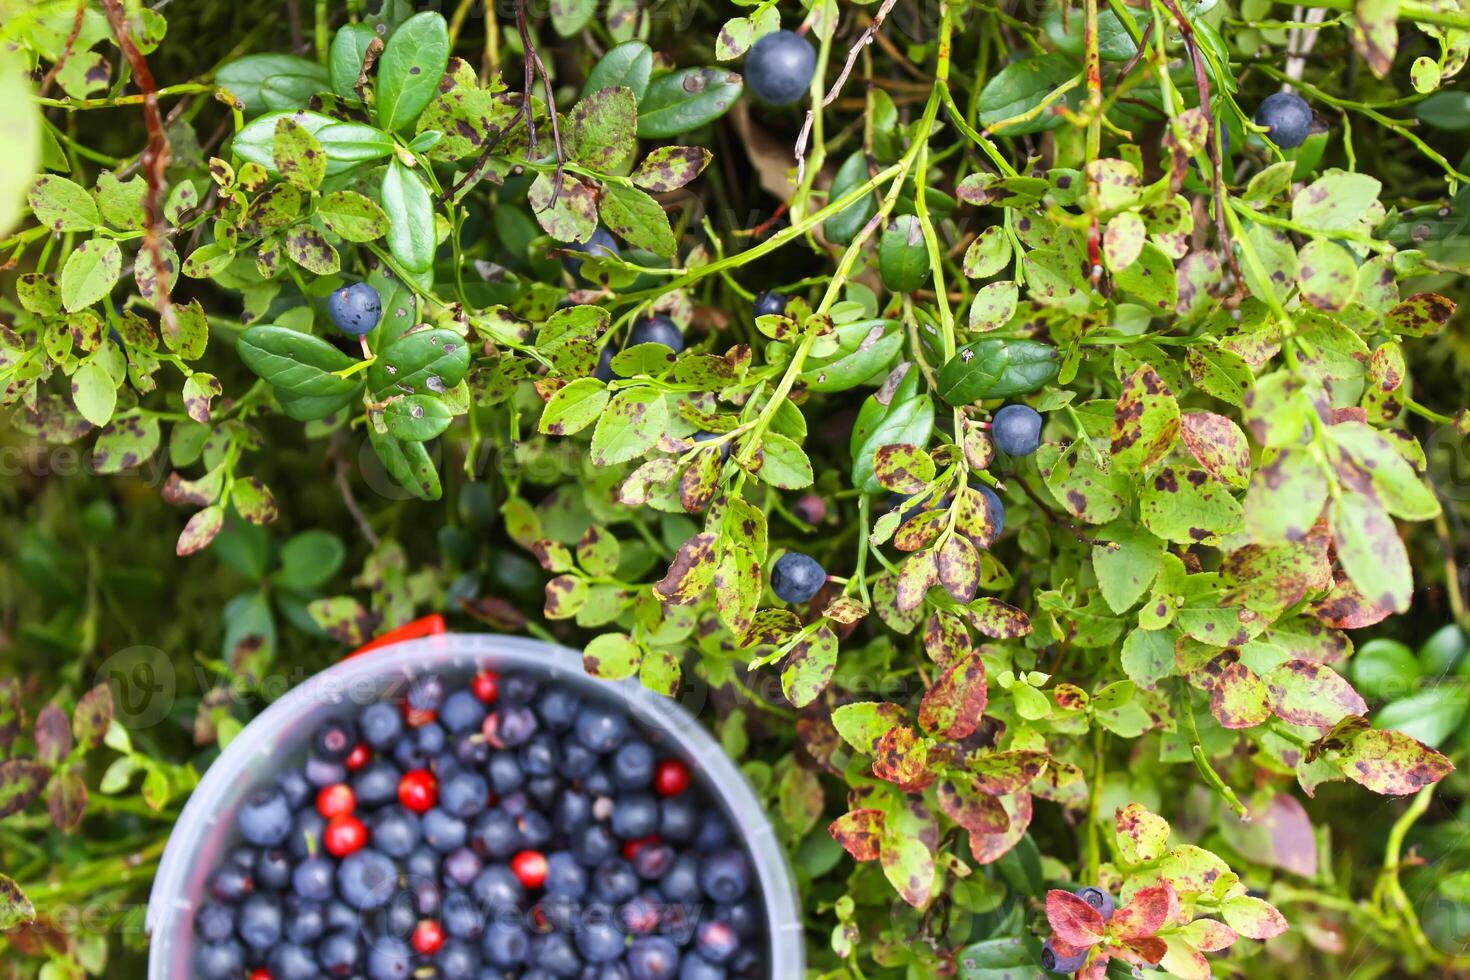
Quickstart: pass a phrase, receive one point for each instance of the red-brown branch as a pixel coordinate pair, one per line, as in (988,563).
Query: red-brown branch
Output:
(155,155)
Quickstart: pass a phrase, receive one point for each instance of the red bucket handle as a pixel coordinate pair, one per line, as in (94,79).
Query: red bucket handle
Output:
(430,625)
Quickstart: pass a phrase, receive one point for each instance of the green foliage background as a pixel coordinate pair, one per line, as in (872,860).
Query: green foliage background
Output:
(1248,362)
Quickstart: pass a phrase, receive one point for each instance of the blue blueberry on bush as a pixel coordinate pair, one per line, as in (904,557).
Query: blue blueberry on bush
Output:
(797,577)
(656,329)
(1054,962)
(1098,899)
(1016,430)
(779,67)
(769,303)
(602,243)
(355,309)
(1287,118)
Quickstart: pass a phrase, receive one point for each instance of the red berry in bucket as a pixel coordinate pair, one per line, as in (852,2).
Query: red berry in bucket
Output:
(360,756)
(530,867)
(486,685)
(670,778)
(344,835)
(428,937)
(336,800)
(418,790)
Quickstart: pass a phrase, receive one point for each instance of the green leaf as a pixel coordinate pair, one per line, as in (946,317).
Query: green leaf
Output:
(1187,506)
(636,218)
(20,120)
(422,362)
(1312,694)
(309,249)
(784,463)
(63,205)
(410,68)
(1021,86)
(864,347)
(353,216)
(298,156)
(1145,421)
(669,168)
(996,369)
(988,254)
(1335,202)
(346,144)
(630,427)
(994,305)
(410,212)
(1125,572)
(15,907)
(568,214)
(574,407)
(298,365)
(684,100)
(1326,274)
(91,270)
(1431,716)
(612,656)
(1448,110)
(1150,279)
(408,463)
(1370,550)
(417,418)
(344,62)
(629,64)
(292,80)
(809,667)
(903,257)
(844,226)
(94,392)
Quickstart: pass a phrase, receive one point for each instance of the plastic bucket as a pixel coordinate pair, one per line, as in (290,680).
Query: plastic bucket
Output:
(277,738)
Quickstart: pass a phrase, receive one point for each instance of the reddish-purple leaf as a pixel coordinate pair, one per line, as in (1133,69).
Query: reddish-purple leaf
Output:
(997,619)
(1072,920)
(1311,694)
(1391,763)
(962,802)
(1219,445)
(1146,914)
(954,705)
(859,832)
(989,848)
(901,757)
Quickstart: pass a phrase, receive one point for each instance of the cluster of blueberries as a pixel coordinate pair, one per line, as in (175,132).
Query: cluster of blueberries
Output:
(1057,963)
(503,830)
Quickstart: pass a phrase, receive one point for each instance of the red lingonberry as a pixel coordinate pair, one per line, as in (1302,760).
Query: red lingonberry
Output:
(418,790)
(428,937)
(336,800)
(670,778)
(632,847)
(344,835)
(486,685)
(360,756)
(530,868)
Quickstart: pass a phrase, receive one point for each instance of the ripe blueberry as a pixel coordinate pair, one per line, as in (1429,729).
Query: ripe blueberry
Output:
(779,67)
(1287,118)
(265,818)
(656,329)
(1016,430)
(797,577)
(355,309)
(1055,961)
(1098,899)
(769,302)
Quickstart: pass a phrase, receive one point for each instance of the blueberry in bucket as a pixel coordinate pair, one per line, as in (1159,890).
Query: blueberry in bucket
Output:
(571,845)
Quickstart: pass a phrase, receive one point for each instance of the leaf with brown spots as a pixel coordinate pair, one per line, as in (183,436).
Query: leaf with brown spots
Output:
(638,487)
(1421,315)
(916,576)
(898,618)
(1391,762)
(863,724)
(1238,698)
(200,530)
(92,717)
(309,249)
(1253,917)
(945,638)
(908,864)
(573,215)
(344,619)
(700,480)
(1268,579)
(691,572)
(1006,773)
(598,131)
(1145,421)
(989,848)
(1187,506)
(53,735)
(565,596)
(958,566)
(254,501)
(669,168)
(1386,373)
(953,706)
(962,802)
(859,833)
(977,516)
(1219,445)
(737,589)
(771,627)
(66,800)
(15,907)
(1286,498)
(902,757)
(809,667)
(1374,32)
(903,468)
(1141,834)
(1370,551)
(997,619)
(1307,693)
(21,782)
(921,530)
(1085,487)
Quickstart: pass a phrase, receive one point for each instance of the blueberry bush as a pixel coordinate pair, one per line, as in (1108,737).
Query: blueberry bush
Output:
(1029,435)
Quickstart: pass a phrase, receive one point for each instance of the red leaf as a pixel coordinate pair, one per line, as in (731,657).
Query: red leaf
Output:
(903,759)
(858,832)
(1072,920)
(954,705)
(1146,914)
